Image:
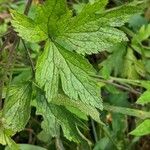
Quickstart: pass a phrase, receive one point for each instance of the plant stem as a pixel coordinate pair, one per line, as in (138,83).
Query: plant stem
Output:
(120,86)
(27,8)
(104,128)
(94,130)
(11,35)
(59,144)
(29,56)
(127,31)
(127,111)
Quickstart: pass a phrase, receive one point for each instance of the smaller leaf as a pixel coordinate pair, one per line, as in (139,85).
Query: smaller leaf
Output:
(49,124)
(114,62)
(56,116)
(5,139)
(144,98)
(142,129)
(16,111)
(136,21)
(68,122)
(120,15)
(142,35)
(129,70)
(27,147)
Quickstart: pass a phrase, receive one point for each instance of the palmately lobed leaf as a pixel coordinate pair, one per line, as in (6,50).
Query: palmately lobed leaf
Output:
(89,32)
(60,67)
(94,26)
(74,72)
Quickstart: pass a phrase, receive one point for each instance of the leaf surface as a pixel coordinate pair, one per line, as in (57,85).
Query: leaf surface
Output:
(142,129)
(144,98)
(55,116)
(72,69)
(27,28)
(16,110)
(91,31)
(66,102)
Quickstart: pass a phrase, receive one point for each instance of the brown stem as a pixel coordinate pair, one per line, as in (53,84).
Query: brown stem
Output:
(12,36)
(27,8)
(122,87)
(119,86)
(29,57)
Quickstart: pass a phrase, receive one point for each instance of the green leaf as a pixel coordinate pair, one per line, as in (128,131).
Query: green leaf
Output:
(88,12)
(91,40)
(49,14)
(73,71)
(129,70)
(142,129)
(144,98)
(16,111)
(55,116)
(90,33)
(103,144)
(127,111)
(138,39)
(136,21)
(69,124)
(59,68)
(77,112)
(50,125)
(5,139)
(114,62)
(66,102)
(27,147)
(27,28)
(142,35)
(118,16)
(85,33)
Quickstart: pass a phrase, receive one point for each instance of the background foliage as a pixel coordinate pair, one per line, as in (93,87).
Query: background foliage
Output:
(74,74)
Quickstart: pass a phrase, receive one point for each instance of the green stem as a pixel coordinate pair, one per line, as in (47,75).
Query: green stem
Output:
(108,134)
(94,130)
(127,111)
(127,31)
